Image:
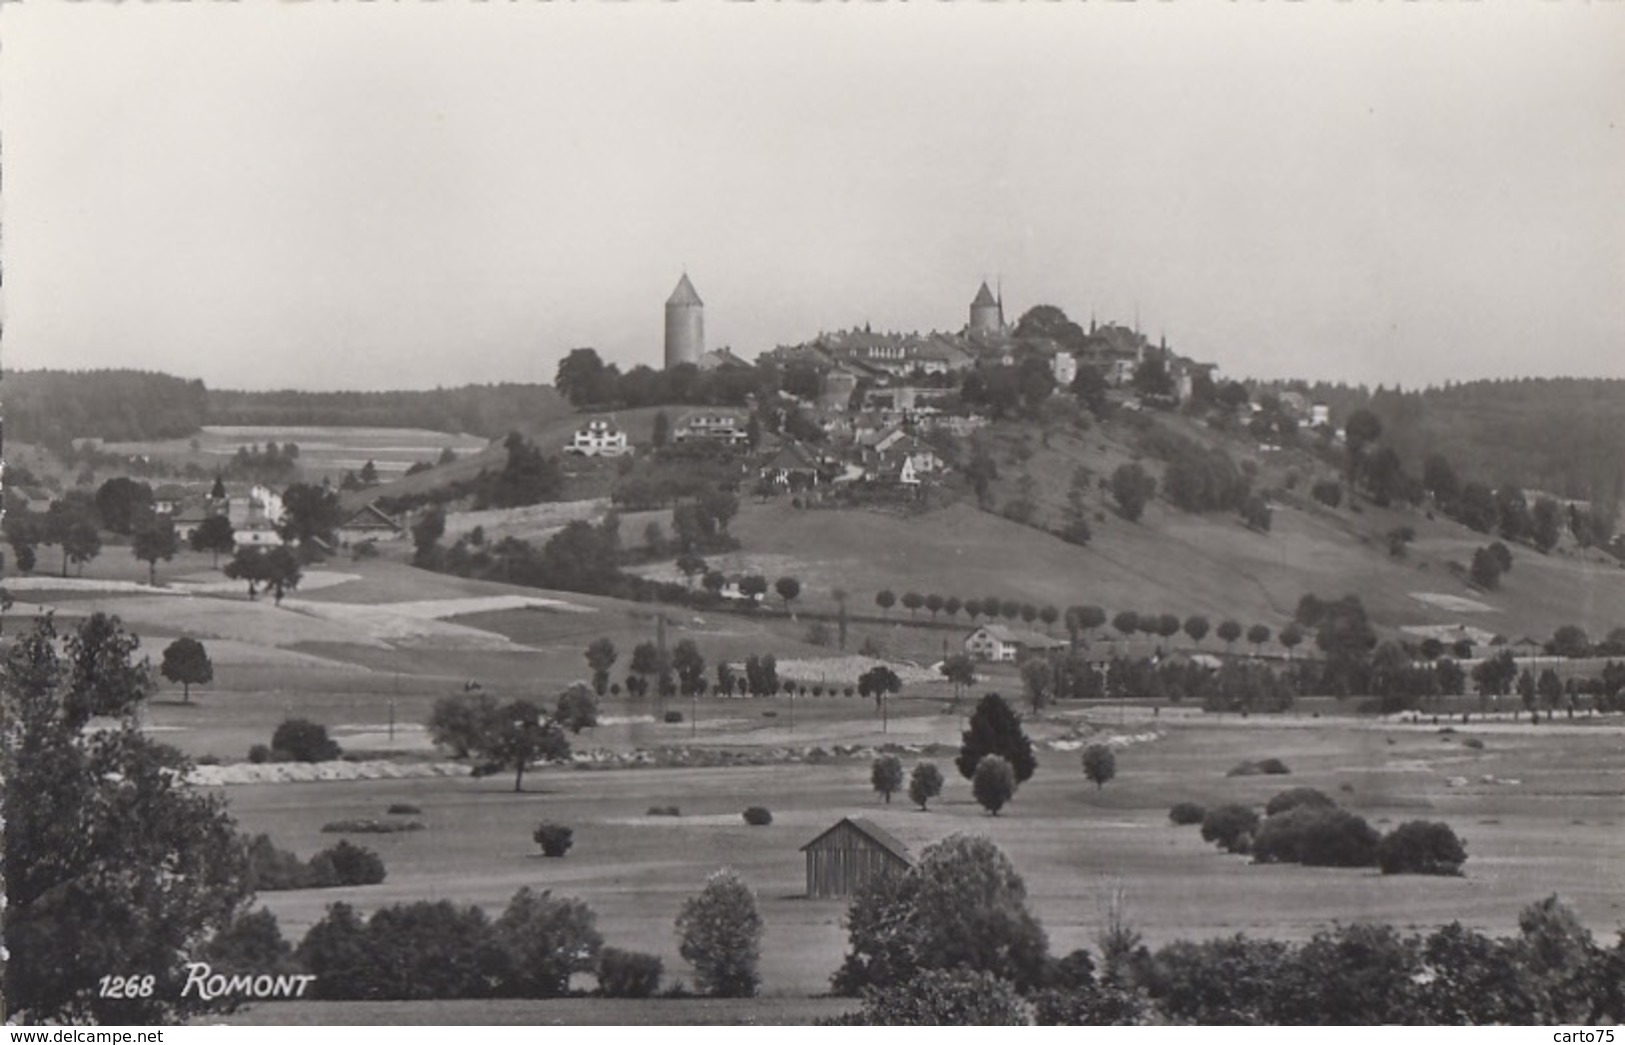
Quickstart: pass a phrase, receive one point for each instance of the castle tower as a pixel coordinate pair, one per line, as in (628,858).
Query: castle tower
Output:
(685,325)
(986,313)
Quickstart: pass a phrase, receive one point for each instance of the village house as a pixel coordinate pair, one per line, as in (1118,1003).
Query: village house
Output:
(712,426)
(997,642)
(599,439)
(795,467)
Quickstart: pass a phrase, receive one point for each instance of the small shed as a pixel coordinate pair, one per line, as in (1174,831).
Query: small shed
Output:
(848,855)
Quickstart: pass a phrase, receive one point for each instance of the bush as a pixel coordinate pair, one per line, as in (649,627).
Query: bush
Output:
(555,839)
(663,811)
(628,974)
(1316,836)
(1187,813)
(404,809)
(259,754)
(1227,825)
(346,864)
(756,816)
(272,870)
(1298,796)
(1474,743)
(1421,847)
(673,717)
(302,740)
(944,998)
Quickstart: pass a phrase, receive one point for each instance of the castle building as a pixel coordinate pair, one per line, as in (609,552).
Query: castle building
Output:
(685,325)
(986,313)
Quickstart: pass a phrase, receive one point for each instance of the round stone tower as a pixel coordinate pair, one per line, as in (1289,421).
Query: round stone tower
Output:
(986,313)
(685,325)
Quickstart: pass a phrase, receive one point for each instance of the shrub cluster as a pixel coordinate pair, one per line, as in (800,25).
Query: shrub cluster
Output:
(404,809)
(272,870)
(301,740)
(1421,847)
(1187,813)
(555,839)
(1231,827)
(664,811)
(757,816)
(370,827)
(628,974)
(1263,767)
(1317,836)
(1305,826)
(439,950)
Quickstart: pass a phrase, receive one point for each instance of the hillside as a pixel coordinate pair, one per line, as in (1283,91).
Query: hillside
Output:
(1174,561)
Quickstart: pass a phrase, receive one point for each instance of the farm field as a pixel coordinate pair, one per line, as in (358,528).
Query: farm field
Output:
(1541,811)
(324,450)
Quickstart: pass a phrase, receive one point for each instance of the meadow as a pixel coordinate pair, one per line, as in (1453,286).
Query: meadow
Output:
(368,642)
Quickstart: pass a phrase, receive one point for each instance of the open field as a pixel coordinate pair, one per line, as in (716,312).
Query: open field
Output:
(1551,823)
(324,450)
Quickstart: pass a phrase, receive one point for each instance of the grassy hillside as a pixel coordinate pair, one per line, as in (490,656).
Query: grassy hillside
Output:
(1174,561)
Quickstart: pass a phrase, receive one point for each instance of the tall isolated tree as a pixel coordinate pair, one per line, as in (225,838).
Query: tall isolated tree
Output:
(215,536)
(1229,631)
(995,729)
(1099,764)
(959,669)
(1197,628)
(788,589)
(111,863)
(924,784)
(187,661)
(1132,489)
(886,599)
(720,934)
(154,538)
(886,775)
(520,734)
(913,601)
(600,659)
(1038,682)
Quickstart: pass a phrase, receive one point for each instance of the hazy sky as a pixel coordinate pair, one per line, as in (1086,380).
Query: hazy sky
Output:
(356,195)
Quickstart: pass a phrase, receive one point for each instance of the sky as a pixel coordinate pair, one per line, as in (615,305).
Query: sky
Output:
(347,196)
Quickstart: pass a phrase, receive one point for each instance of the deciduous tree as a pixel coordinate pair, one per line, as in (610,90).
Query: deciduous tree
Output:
(187,662)
(720,934)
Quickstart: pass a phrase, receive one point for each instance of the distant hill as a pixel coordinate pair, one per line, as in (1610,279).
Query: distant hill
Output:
(52,407)
(484,410)
(1565,436)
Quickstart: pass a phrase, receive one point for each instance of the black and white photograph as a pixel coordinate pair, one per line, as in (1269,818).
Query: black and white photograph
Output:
(812,514)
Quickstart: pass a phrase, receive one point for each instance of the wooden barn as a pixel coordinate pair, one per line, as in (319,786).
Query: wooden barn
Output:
(849,854)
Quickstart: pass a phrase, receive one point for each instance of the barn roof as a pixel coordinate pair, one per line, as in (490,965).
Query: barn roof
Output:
(879,835)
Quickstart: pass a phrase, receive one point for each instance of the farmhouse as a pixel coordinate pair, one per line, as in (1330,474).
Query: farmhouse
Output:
(795,467)
(369,524)
(599,439)
(851,854)
(998,642)
(725,428)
